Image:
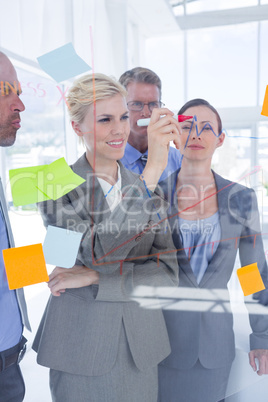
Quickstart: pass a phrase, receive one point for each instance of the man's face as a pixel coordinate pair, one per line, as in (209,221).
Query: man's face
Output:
(139,91)
(10,103)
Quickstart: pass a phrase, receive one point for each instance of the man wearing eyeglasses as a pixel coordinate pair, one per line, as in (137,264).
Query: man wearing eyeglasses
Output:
(13,312)
(144,94)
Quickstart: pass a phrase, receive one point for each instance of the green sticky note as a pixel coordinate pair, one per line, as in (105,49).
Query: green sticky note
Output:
(23,185)
(59,179)
(40,183)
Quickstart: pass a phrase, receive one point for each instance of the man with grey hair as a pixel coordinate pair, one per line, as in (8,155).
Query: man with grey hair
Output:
(144,94)
(13,311)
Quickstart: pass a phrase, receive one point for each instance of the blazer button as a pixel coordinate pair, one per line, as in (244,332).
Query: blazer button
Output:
(157,204)
(138,238)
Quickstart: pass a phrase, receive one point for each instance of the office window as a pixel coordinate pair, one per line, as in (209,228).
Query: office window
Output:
(263,152)
(222,65)
(263,155)
(263,59)
(40,140)
(164,55)
(233,159)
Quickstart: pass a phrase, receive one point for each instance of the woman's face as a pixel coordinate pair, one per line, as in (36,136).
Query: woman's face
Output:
(111,131)
(199,136)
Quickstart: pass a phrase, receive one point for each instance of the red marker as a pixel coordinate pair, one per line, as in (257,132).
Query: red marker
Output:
(180,117)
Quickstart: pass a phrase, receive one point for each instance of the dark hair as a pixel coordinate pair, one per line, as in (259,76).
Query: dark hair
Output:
(140,74)
(201,102)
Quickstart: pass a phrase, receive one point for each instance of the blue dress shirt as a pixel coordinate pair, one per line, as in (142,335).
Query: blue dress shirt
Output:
(200,241)
(131,160)
(10,318)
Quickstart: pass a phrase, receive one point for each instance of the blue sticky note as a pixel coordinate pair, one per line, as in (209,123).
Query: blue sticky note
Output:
(63,63)
(61,246)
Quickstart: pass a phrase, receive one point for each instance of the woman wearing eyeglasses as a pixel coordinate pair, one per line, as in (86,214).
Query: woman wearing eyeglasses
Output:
(211,218)
(143,96)
(98,342)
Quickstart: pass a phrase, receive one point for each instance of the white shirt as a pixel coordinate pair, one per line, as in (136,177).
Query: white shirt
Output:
(113,194)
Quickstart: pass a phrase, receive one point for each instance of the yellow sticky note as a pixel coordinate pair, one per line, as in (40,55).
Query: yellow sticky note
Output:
(25,266)
(250,279)
(264,111)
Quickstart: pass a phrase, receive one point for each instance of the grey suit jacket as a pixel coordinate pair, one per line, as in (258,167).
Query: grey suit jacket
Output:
(19,292)
(202,327)
(79,331)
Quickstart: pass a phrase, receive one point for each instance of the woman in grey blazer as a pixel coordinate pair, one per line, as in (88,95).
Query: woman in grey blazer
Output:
(99,344)
(211,218)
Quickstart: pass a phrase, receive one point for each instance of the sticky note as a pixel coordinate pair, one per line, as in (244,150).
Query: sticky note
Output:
(61,246)
(23,185)
(250,279)
(264,111)
(63,63)
(25,266)
(40,183)
(58,179)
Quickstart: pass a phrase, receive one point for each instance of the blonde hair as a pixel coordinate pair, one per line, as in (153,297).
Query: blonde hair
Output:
(89,89)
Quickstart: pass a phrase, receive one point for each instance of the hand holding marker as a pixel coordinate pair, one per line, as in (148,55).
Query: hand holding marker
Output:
(180,117)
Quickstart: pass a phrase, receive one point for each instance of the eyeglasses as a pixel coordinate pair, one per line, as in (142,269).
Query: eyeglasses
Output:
(137,106)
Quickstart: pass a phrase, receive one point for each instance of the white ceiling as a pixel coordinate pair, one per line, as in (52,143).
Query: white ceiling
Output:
(223,17)
(155,16)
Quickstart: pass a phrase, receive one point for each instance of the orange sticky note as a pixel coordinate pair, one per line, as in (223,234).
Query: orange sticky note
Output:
(264,111)
(25,266)
(250,279)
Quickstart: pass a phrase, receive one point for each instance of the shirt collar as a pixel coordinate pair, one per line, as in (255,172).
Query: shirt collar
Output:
(106,187)
(132,154)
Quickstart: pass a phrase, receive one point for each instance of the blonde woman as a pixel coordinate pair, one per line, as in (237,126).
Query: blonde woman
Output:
(99,344)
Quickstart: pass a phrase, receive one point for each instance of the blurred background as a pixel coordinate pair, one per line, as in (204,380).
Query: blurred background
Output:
(212,49)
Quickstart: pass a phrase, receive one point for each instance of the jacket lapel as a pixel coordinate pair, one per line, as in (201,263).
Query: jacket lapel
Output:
(96,205)
(169,188)
(182,257)
(128,178)
(223,188)
(94,202)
